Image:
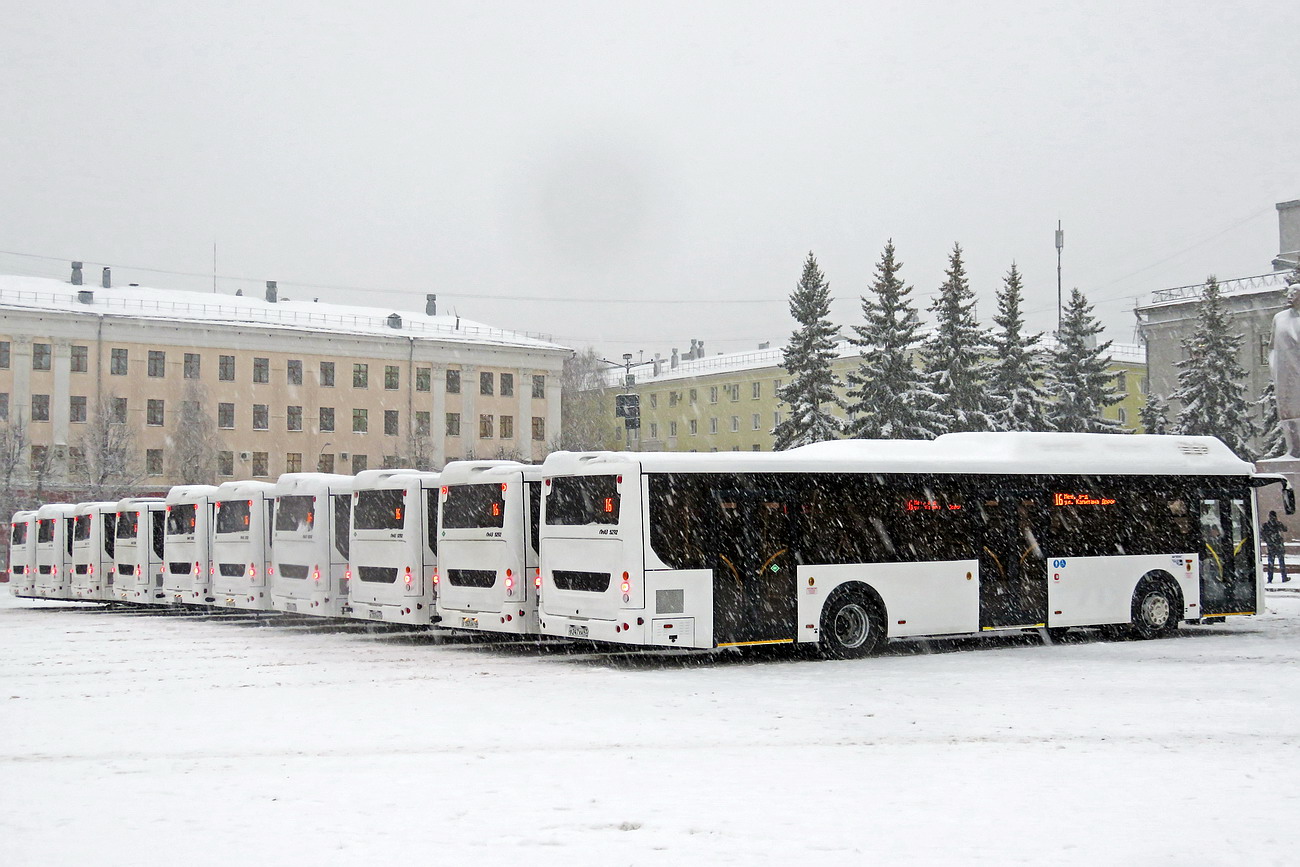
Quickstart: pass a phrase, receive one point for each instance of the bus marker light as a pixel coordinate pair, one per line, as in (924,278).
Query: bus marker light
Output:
(967,576)
(901,622)
(509,617)
(627,598)
(537,582)
(616,629)
(626,627)
(347,575)
(626,588)
(640,621)
(1056,612)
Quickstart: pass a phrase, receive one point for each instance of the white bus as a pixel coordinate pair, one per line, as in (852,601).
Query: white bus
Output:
(846,544)
(53,556)
(140,530)
(391,559)
(92,550)
(187,546)
(313,520)
(22,553)
(487,546)
(241,544)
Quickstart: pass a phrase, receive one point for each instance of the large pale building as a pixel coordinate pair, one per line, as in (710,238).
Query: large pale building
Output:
(290,385)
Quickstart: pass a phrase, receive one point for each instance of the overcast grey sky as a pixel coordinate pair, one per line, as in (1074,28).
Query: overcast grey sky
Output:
(679,159)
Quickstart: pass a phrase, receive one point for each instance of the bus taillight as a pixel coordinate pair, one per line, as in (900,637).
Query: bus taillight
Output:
(315,574)
(408,576)
(627,586)
(537,579)
(252,570)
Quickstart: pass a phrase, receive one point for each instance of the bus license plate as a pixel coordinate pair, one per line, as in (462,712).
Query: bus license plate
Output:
(469,622)
(291,607)
(576,631)
(376,614)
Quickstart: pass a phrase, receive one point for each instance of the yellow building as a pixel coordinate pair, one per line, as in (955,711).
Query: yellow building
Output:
(728,402)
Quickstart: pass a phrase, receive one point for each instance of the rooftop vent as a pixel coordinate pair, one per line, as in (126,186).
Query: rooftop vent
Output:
(271,291)
(86,296)
(394,321)
(76,273)
(430,305)
(108,278)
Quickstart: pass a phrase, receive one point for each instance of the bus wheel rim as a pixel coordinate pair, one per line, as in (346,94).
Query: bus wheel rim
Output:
(1155,609)
(852,625)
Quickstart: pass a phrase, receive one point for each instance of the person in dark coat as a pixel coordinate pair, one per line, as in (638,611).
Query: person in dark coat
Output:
(1271,532)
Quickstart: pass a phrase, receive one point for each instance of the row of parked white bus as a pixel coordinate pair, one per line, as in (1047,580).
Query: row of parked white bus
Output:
(842,544)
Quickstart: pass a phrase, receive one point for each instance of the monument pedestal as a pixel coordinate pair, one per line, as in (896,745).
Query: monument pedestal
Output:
(1270,498)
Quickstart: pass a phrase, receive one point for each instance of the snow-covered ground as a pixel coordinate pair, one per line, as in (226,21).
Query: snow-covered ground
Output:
(129,738)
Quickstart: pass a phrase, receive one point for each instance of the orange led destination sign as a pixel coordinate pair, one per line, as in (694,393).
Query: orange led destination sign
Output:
(1081,500)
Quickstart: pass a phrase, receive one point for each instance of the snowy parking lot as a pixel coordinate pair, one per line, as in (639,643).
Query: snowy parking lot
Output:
(146,737)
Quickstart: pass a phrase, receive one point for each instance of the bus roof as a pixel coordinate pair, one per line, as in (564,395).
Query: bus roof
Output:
(473,472)
(96,506)
(128,503)
(372,479)
(289,483)
(22,515)
(977,453)
(54,510)
(242,488)
(190,493)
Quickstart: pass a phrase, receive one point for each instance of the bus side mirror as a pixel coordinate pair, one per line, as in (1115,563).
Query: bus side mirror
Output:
(1288,500)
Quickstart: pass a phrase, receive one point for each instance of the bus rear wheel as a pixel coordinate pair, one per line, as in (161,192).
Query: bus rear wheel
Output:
(1155,610)
(851,626)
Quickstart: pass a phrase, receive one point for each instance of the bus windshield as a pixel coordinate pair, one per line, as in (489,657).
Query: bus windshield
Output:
(45,532)
(579,500)
(182,519)
(380,510)
(472,506)
(81,527)
(232,515)
(19,536)
(127,525)
(295,514)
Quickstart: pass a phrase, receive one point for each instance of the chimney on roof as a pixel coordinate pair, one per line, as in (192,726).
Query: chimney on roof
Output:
(1288,230)
(86,296)
(699,350)
(673,362)
(108,278)
(394,321)
(766,344)
(658,364)
(272,294)
(76,273)
(430,305)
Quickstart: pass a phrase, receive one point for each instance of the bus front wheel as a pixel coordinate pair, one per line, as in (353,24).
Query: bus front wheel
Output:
(1156,610)
(851,626)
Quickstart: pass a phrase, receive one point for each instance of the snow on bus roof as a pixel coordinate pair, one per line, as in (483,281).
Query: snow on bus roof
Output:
(314,481)
(45,293)
(385,478)
(129,502)
(242,487)
(190,493)
(980,453)
(473,472)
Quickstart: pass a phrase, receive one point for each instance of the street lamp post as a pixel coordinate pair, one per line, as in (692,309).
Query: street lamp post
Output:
(1060,242)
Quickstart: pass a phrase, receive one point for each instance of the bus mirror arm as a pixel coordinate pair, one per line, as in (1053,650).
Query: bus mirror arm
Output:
(1288,500)
(1288,493)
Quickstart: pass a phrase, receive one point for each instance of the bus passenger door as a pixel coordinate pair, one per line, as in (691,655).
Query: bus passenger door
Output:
(1011,528)
(754,578)
(1227,556)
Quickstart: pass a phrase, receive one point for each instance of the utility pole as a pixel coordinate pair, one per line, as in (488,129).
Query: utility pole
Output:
(1060,242)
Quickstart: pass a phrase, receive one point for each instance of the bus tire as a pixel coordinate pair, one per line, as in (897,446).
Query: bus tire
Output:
(1157,608)
(852,625)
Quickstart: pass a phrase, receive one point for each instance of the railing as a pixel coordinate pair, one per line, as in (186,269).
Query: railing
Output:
(1274,280)
(104,299)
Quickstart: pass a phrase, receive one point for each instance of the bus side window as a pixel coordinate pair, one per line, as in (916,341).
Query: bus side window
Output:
(342,522)
(534,513)
(159,523)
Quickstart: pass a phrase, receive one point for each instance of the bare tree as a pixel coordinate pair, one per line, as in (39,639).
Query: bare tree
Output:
(589,421)
(13,455)
(109,463)
(195,441)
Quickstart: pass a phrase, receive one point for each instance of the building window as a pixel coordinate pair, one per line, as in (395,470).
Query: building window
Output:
(453,381)
(539,428)
(713,394)
(485,382)
(694,426)
(453,424)
(507,427)
(539,386)
(673,397)
(695,395)
(293,418)
(390,422)
(734,388)
(226,368)
(326,419)
(261,464)
(485,424)
(40,407)
(76,459)
(325,463)
(392,377)
(423,423)
(81,359)
(40,459)
(153,464)
(360,421)
(153,412)
(776,419)
(654,400)
(756,421)
(157,366)
(327,374)
(225,463)
(360,463)
(735,423)
(672,428)
(226,416)
(261,417)
(756,390)
(1265,341)
(41,356)
(654,431)
(1123,415)
(293,371)
(77,408)
(117,362)
(1121,381)
(360,376)
(293,462)
(193,363)
(117,408)
(507,385)
(5,350)
(261,370)
(713,425)
(423,379)
(4,406)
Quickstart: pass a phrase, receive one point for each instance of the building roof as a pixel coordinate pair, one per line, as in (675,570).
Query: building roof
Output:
(1260,283)
(43,293)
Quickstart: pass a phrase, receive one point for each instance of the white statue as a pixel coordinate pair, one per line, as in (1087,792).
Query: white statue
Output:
(1284,363)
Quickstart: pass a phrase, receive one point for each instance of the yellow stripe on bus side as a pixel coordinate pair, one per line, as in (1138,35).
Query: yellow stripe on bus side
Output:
(1231,614)
(772,641)
(1009,628)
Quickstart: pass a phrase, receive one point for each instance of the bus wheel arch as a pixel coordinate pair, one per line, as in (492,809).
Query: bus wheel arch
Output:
(1157,605)
(853,622)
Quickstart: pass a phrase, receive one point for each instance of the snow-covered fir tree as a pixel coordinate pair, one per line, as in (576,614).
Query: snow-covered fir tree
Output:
(955,354)
(1019,400)
(1078,382)
(888,397)
(1154,415)
(1273,443)
(1210,379)
(811,394)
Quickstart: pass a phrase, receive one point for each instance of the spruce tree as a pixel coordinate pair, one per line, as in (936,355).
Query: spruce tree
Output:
(811,393)
(1017,368)
(955,354)
(1274,441)
(1210,379)
(1078,382)
(888,397)
(1154,415)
